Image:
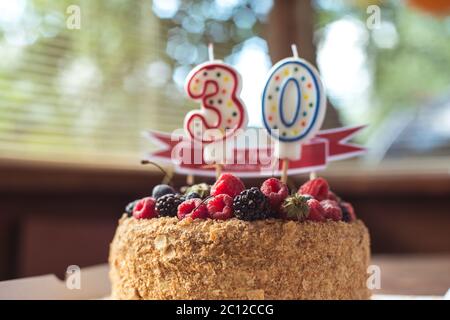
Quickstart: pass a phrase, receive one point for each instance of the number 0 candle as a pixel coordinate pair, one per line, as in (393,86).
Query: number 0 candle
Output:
(293,105)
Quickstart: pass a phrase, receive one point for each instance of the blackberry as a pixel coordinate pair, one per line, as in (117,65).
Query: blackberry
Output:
(345,214)
(167,205)
(251,204)
(348,213)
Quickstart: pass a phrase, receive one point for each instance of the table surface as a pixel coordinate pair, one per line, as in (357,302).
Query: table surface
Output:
(401,275)
(413,274)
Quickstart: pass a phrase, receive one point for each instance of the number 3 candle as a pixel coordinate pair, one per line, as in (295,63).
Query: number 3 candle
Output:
(293,105)
(217,86)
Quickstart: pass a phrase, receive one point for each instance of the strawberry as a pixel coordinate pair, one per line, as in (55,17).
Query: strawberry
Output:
(295,207)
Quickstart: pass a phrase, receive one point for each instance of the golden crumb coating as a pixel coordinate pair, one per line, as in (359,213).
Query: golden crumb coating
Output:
(165,258)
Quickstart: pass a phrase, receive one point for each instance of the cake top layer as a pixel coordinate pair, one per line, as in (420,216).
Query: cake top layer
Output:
(229,198)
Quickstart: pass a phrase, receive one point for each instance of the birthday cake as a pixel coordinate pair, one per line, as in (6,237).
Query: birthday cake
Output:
(227,241)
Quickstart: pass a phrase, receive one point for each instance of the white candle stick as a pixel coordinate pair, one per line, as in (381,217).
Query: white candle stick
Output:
(211,51)
(294,50)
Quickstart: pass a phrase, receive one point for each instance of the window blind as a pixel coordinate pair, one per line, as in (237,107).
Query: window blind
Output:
(82,93)
(88,93)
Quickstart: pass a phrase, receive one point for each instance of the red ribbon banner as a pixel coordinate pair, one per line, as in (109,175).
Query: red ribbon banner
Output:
(187,155)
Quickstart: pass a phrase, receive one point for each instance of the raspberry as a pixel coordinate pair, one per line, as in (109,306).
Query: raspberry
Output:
(276,191)
(348,213)
(220,207)
(331,210)
(227,184)
(193,208)
(145,209)
(251,204)
(167,205)
(316,212)
(318,188)
(333,196)
(295,207)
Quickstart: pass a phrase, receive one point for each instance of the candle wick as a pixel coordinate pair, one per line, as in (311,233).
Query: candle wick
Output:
(294,50)
(211,51)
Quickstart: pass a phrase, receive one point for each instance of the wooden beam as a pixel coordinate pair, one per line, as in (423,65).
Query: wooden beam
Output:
(291,21)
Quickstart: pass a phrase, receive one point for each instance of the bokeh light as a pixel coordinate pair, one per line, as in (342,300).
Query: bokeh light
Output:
(165,9)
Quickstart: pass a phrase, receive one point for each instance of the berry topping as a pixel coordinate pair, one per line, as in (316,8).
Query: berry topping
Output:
(227,184)
(129,208)
(167,205)
(202,189)
(220,207)
(276,191)
(192,195)
(251,204)
(316,212)
(333,196)
(348,213)
(295,207)
(193,208)
(161,190)
(145,209)
(318,188)
(331,210)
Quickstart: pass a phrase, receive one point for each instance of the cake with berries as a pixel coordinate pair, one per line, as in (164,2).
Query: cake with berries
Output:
(227,241)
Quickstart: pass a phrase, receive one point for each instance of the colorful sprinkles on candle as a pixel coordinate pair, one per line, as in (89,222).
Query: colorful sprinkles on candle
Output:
(217,86)
(293,100)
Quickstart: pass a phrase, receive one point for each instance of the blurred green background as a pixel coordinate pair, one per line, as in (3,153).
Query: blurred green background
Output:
(86,94)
